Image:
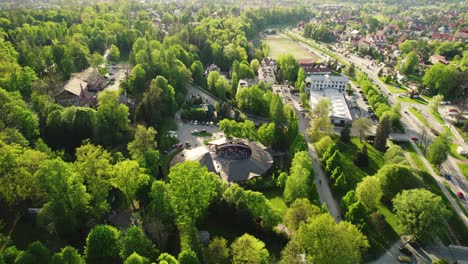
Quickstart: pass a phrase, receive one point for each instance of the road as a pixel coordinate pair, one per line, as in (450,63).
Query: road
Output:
(409,125)
(321,180)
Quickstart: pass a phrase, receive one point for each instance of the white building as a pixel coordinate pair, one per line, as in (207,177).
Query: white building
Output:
(321,82)
(332,88)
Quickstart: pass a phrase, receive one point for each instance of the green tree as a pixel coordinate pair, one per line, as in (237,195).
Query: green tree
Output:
(134,258)
(435,102)
(320,125)
(36,253)
(361,126)
(245,71)
(300,184)
(129,178)
(266,134)
(143,149)
(248,249)
(188,257)
(443,79)
(102,245)
(437,152)
(135,240)
(395,155)
(197,73)
(112,119)
(97,61)
(322,145)
(166,258)
(410,64)
(299,211)
(114,53)
(93,164)
(357,214)
(383,132)
(345,134)
(255,65)
(67,202)
(217,252)
(395,178)
(191,188)
(289,66)
(324,241)
(213,77)
(136,81)
(420,213)
(368,191)
(68,255)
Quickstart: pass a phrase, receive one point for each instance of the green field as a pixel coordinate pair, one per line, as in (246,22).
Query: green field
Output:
(282,45)
(464,169)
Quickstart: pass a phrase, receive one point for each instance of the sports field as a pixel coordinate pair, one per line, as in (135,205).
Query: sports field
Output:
(280,45)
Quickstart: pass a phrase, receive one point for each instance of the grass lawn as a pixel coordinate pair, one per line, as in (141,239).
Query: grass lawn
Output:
(453,152)
(419,116)
(464,169)
(412,100)
(438,118)
(348,152)
(202,134)
(390,218)
(454,196)
(276,199)
(415,157)
(282,45)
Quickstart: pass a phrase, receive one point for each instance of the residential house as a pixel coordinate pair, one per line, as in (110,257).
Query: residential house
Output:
(461,36)
(377,40)
(75,92)
(441,36)
(212,67)
(307,65)
(438,58)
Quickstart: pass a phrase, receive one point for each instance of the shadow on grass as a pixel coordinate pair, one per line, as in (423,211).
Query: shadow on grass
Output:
(225,221)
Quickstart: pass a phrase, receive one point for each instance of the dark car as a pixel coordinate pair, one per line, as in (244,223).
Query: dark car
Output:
(448,177)
(405,251)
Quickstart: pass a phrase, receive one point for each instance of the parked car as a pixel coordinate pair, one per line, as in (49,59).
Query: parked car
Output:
(203,131)
(405,251)
(195,122)
(414,138)
(404,259)
(187,144)
(194,131)
(179,145)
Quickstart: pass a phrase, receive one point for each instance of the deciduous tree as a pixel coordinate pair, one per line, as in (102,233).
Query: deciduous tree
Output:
(383,131)
(102,245)
(248,249)
(420,213)
(299,211)
(368,191)
(217,252)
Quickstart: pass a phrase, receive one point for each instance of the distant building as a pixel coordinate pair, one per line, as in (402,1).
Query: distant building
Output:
(318,70)
(307,65)
(376,40)
(212,67)
(438,58)
(245,83)
(461,36)
(441,36)
(321,82)
(75,92)
(269,62)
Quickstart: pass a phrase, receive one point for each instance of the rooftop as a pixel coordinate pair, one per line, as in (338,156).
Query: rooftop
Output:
(339,107)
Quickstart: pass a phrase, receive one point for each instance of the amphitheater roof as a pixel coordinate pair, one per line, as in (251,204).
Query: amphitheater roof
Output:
(229,170)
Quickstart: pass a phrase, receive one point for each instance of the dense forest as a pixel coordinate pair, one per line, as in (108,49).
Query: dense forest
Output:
(71,173)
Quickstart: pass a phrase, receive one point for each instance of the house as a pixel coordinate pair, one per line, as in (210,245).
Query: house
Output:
(377,40)
(212,67)
(307,65)
(332,88)
(438,58)
(75,92)
(245,83)
(318,70)
(269,62)
(441,36)
(321,82)
(461,36)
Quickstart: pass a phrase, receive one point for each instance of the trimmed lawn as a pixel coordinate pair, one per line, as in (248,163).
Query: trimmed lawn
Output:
(415,157)
(419,116)
(280,45)
(390,218)
(348,152)
(276,199)
(453,152)
(412,100)
(464,169)
(438,118)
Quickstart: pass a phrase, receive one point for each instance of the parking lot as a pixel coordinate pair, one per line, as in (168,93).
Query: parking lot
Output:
(184,133)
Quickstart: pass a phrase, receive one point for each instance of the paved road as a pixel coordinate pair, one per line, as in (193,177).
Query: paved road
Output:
(321,180)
